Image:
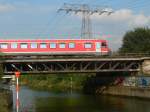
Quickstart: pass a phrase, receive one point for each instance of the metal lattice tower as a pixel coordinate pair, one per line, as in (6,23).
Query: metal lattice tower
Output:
(86,30)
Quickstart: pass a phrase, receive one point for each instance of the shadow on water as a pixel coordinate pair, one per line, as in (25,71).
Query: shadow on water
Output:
(100,80)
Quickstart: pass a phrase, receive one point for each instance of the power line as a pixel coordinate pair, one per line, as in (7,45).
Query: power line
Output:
(86,30)
(136,4)
(132,4)
(48,24)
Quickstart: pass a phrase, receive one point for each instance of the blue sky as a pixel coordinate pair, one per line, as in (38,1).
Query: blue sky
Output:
(38,19)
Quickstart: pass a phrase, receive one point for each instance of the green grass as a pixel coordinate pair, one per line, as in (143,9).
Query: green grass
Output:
(55,82)
(4,99)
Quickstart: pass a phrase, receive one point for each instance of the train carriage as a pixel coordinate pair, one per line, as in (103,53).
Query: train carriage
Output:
(55,46)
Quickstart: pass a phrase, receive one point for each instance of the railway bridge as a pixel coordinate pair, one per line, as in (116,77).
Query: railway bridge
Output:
(74,64)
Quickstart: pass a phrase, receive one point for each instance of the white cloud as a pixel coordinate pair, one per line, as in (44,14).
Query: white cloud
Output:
(118,23)
(125,16)
(120,15)
(6,8)
(140,20)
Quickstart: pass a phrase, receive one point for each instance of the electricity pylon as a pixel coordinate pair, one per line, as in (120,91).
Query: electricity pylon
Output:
(86,30)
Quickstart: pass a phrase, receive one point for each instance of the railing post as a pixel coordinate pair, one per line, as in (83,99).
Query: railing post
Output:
(17,74)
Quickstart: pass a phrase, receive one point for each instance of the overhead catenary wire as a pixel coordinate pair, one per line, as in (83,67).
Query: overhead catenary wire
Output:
(129,4)
(86,11)
(47,25)
(124,4)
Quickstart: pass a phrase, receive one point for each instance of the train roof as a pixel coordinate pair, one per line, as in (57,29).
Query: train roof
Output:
(45,40)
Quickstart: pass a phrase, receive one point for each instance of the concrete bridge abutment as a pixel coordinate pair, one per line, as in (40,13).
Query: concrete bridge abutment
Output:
(146,66)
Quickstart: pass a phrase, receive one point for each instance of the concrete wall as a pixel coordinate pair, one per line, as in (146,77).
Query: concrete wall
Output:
(146,67)
(128,91)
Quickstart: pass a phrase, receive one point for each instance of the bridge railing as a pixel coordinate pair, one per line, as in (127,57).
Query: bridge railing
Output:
(130,55)
(44,56)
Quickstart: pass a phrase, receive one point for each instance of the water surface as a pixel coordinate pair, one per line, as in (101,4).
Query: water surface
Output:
(41,101)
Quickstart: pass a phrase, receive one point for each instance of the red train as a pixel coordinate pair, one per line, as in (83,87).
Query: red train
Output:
(55,47)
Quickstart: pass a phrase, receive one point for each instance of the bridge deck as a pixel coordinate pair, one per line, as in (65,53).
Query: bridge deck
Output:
(47,64)
(64,58)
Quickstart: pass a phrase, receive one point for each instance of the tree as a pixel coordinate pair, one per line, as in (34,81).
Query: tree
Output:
(136,41)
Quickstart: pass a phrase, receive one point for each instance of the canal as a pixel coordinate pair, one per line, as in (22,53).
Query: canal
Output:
(42,101)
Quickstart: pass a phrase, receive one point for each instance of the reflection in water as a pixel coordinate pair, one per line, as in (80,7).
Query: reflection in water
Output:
(91,104)
(37,101)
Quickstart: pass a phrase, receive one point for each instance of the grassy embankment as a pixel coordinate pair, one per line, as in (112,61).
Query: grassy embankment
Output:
(59,82)
(6,103)
(4,95)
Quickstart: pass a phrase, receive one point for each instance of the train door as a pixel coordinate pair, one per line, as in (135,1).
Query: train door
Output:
(98,47)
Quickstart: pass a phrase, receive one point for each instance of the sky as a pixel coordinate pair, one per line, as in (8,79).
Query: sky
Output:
(39,19)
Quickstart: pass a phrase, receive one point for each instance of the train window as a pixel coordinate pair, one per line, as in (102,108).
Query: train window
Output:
(98,45)
(24,45)
(52,45)
(104,44)
(71,45)
(87,45)
(3,45)
(62,45)
(34,45)
(43,45)
(14,45)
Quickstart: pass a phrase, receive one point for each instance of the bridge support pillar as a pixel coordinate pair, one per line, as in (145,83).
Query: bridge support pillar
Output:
(145,68)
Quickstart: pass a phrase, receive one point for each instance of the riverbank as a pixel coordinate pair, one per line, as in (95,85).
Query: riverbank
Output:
(72,82)
(139,92)
(53,82)
(5,100)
